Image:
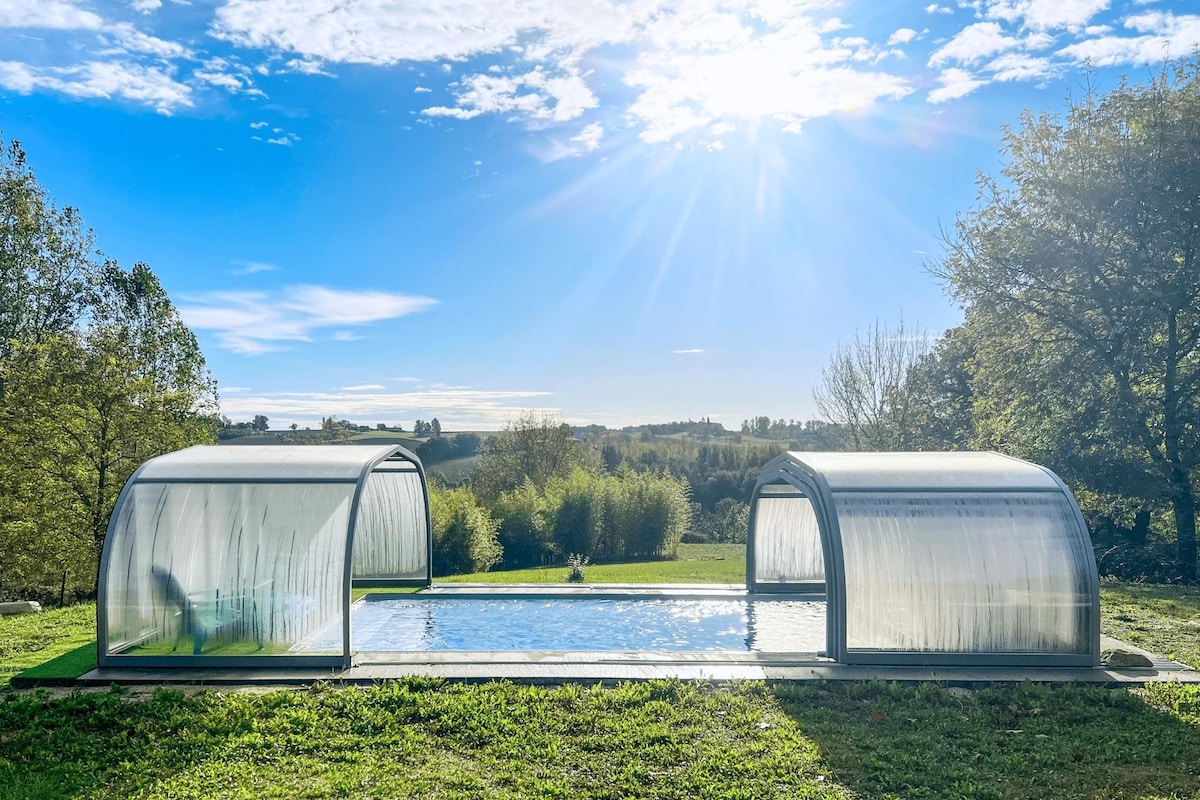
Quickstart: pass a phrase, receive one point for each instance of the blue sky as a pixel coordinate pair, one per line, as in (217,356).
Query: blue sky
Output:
(620,212)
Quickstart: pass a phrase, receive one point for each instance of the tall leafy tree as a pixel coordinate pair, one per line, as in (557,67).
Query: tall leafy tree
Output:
(1081,272)
(49,272)
(97,374)
(534,447)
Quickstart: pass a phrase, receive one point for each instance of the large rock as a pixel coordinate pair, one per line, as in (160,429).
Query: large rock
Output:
(1117,658)
(20,607)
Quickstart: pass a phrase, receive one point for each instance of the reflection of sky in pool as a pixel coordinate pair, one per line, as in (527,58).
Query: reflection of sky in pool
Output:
(579,623)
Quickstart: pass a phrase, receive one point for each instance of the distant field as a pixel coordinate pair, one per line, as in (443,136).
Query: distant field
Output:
(697,563)
(383,437)
(454,471)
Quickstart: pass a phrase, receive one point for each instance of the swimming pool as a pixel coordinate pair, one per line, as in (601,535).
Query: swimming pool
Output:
(572,623)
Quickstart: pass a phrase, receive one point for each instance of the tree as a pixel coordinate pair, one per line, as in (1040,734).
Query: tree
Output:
(77,417)
(435,428)
(535,447)
(49,274)
(864,388)
(97,374)
(940,389)
(1081,270)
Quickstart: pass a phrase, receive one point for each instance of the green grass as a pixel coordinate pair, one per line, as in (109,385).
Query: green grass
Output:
(32,639)
(421,738)
(1162,619)
(697,563)
(62,669)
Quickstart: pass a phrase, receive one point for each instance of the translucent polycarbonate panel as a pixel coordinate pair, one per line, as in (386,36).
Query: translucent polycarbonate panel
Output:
(925,471)
(787,541)
(391,535)
(225,569)
(965,573)
(267,462)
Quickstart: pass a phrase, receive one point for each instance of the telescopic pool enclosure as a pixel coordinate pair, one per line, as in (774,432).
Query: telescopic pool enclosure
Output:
(250,550)
(245,556)
(951,559)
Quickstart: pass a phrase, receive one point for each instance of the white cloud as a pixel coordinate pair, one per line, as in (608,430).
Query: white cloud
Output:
(287,140)
(153,86)
(1164,35)
(1046,14)
(129,39)
(261,322)
(1019,67)
(955,83)
(461,408)
(422,90)
(306,66)
(365,387)
(346,336)
(934,8)
(689,351)
(384,32)
(146,6)
(589,138)
(251,267)
(901,36)
(536,94)
(697,63)
(55,14)
(974,42)
(586,141)
(257,125)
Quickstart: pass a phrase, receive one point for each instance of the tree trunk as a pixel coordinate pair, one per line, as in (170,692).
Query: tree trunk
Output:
(1183,503)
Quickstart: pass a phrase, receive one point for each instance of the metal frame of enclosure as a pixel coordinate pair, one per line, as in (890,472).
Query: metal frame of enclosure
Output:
(940,559)
(255,548)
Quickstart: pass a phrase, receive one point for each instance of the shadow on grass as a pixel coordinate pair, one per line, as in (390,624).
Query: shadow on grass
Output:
(1023,741)
(98,743)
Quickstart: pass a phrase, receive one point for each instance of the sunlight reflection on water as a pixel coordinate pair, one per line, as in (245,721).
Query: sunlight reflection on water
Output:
(580,623)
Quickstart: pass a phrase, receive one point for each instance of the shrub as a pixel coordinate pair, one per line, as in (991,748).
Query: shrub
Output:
(464,533)
(576,562)
(525,530)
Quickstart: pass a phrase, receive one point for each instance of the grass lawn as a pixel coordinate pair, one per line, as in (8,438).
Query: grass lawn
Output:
(420,738)
(697,563)
(29,640)
(1162,619)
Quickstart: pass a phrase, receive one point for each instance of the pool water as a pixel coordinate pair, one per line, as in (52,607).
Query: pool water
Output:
(414,623)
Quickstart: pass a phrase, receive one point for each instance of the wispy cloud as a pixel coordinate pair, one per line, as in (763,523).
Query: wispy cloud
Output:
(365,387)
(689,351)
(252,323)
(251,267)
(456,407)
